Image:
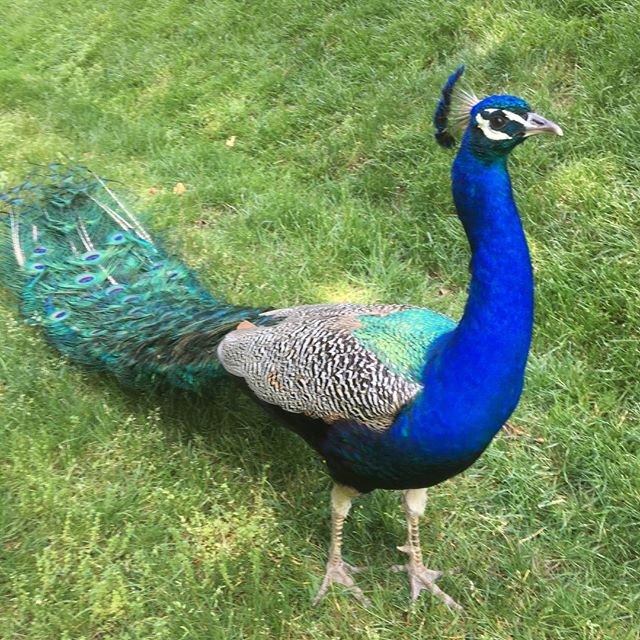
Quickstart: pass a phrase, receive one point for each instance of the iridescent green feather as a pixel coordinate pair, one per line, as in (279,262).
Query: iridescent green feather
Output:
(87,272)
(402,339)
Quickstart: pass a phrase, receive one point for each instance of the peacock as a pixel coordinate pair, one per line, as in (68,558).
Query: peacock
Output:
(391,396)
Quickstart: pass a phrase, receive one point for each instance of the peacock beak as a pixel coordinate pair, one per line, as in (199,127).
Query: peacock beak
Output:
(537,124)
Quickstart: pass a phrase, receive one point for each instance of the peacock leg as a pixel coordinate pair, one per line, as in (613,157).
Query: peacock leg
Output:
(415,502)
(338,571)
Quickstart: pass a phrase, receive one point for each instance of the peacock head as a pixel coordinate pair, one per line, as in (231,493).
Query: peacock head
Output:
(493,125)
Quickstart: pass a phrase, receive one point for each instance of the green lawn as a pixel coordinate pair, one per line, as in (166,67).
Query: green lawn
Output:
(130,516)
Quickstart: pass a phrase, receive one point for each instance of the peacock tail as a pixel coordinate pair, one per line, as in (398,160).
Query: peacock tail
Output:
(105,294)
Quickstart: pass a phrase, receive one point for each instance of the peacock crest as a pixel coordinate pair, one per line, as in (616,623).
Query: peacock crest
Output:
(454,109)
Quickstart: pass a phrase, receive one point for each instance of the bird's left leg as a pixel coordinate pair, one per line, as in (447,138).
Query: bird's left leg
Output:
(337,569)
(415,502)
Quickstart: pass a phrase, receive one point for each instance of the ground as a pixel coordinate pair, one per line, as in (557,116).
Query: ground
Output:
(285,150)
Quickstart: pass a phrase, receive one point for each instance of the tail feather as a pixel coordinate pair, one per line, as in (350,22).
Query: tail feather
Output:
(88,273)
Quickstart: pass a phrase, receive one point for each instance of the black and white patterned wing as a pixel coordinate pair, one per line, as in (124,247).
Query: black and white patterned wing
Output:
(309,362)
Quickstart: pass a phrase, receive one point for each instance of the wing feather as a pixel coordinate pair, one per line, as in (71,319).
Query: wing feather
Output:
(311,361)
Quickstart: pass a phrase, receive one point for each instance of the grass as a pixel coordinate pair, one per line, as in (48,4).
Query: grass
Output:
(129,516)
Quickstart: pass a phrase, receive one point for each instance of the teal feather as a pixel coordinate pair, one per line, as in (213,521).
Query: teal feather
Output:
(402,340)
(105,294)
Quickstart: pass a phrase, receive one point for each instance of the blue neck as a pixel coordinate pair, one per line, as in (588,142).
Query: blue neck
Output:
(474,383)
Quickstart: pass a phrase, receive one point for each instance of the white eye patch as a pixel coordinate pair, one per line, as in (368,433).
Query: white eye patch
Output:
(485,125)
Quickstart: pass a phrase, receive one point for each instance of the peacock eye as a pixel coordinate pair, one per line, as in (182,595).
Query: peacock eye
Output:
(498,121)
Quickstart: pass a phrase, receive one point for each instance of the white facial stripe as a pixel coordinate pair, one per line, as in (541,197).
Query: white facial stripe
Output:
(498,135)
(488,131)
(515,117)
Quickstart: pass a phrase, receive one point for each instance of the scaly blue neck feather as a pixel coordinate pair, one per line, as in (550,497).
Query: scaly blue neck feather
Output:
(473,383)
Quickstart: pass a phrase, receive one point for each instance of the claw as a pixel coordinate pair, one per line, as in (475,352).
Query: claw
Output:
(340,573)
(434,575)
(421,578)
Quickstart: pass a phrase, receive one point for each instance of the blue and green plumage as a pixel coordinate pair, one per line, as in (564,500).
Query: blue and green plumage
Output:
(391,396)
(102,291)
(402,340)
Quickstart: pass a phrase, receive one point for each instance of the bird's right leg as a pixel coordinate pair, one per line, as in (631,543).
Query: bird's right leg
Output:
(338,570)
(420,578)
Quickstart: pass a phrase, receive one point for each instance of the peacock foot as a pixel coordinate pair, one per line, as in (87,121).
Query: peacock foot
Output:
(421,578)
(339,572)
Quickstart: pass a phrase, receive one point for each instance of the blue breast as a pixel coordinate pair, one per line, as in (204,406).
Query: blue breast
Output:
(473,376)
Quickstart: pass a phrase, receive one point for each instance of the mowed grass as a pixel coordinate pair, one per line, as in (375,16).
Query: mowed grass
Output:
(301,132)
